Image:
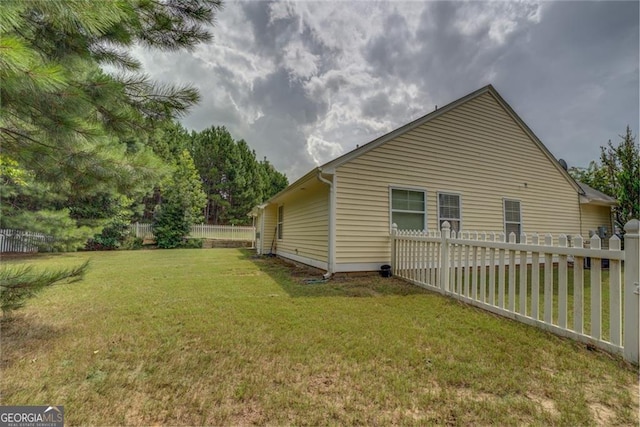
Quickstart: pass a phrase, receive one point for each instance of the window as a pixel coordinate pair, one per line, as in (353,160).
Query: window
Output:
(512,218)
(408,209)
(280,220)
(449,210)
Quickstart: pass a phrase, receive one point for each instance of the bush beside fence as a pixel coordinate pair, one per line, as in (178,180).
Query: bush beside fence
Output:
(529,281)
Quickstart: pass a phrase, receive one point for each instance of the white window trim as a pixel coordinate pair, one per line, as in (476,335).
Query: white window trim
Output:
(450,193)
(391,210)
(279,222)
(504,217)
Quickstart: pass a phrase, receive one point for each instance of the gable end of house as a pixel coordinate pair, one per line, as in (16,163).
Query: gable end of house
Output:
(332,165)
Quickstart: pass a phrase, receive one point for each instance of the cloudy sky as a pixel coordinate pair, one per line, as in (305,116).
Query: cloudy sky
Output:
(303,82)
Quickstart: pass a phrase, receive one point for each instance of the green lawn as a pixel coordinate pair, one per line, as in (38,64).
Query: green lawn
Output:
(215,337)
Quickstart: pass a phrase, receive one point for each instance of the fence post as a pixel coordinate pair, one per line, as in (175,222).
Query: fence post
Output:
(631,290)
(394,232)
(444,256)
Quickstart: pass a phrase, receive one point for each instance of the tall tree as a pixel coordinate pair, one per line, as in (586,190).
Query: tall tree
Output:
(182,203)
(232,178)
(618,175)
(621,164)
(216,158)
(72,135)
(273,181)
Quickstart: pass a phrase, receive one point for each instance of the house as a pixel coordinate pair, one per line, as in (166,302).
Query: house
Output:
(595,213)
(473,163)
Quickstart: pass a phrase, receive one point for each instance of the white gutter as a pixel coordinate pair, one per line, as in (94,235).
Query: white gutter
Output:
(331,252)
(261,251)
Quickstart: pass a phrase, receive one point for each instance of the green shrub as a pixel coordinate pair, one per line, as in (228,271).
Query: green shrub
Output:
(112,237)
(132,243)
(170,226)
(193,243)
(116,228)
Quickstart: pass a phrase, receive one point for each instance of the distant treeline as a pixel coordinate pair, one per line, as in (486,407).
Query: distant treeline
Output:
(232,178)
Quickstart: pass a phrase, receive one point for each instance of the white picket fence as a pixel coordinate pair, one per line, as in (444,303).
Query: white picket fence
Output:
(203,231)
(22,241)
(534,281)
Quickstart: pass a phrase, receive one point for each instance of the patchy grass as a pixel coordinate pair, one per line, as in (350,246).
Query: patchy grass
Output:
(216,337)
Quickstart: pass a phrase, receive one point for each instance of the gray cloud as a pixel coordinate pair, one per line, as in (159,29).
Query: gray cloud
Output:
(303,82)
(574,78)
(390,53)
(282,96)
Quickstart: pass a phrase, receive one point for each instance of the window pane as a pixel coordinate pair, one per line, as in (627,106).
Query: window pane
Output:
(399,199)
(416,205)
(512,210)
(511,227)
(449,206)
(408,221)
(449,212)
(406,200)
(416,196)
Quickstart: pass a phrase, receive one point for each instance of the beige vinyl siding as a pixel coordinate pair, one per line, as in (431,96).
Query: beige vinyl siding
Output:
(476,150)
(270,217)
(594,216)
(258,225)
(306,223)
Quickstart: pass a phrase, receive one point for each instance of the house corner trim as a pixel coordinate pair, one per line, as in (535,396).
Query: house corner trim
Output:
(331,250)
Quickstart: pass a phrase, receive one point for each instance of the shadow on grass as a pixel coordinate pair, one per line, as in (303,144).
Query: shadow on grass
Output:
(303,281)
(28,256)
(23,336)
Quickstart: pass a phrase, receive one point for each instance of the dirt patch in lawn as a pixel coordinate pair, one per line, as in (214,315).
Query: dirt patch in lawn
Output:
(359,284)
(23,336)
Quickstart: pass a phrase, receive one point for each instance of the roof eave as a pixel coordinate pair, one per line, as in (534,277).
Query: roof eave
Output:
(330,167)
(311,174)
(584,200)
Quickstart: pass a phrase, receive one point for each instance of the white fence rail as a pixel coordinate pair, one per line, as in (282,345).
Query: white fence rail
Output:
(204,231)
(561,288)
(22,241)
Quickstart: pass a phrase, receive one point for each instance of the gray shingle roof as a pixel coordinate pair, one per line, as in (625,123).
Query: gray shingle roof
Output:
(596,197)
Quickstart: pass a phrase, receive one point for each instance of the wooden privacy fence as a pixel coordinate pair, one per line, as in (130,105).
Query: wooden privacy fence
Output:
(203,231)
(22,241)
(562,288)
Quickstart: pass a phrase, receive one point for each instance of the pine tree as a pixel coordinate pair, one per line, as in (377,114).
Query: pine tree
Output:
(217,159)
(17,284)
(72,135)
(232,178)
(182,203)
(274,181)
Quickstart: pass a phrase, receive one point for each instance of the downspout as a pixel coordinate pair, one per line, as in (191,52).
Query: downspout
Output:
(261,251)
(332,226)
(580,215)
(259,227)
